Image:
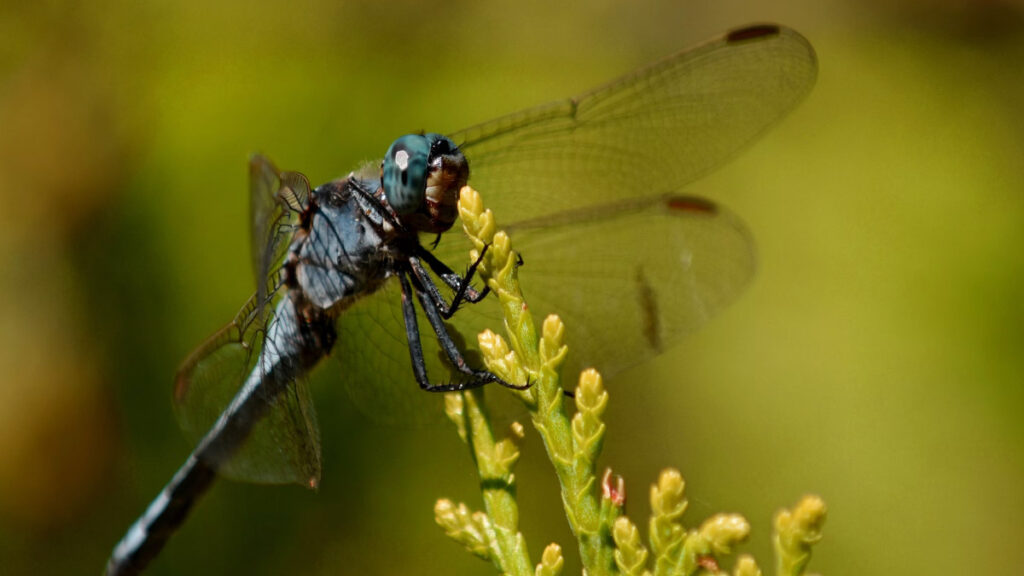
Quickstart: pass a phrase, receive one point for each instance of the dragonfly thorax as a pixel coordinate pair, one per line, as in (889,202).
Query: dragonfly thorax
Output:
(344,250)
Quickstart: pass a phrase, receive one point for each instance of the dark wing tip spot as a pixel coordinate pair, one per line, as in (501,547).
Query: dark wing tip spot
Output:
(752,33)
(691,204)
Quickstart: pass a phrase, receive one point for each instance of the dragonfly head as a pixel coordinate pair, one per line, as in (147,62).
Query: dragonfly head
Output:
(421,176)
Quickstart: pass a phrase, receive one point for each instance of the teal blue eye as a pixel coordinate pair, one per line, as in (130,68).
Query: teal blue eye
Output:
(404,173)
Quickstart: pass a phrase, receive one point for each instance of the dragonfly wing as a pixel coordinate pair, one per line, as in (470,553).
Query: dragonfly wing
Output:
(645,134)
(632,281)
(284,446)
(588,189)
(275,201)
(264,183)
(376,367)
(585,186)
(629,280)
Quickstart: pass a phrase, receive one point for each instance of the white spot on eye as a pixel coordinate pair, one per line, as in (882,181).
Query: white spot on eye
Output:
(402,159)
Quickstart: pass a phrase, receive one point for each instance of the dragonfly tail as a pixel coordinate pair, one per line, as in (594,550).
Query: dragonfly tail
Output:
(148,535)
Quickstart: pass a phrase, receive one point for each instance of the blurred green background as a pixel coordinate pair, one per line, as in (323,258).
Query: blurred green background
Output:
(877,359)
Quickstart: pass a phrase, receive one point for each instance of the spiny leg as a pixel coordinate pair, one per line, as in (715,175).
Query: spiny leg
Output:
(425,285)
(461,284)
(452,350)
(419,365)
(428,286)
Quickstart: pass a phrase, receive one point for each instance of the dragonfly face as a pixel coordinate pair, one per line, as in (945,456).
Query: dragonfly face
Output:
(589,189)
(421,176)
(354,229)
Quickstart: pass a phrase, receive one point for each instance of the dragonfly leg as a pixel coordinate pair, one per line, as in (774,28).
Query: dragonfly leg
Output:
(371,201)
(480,377)
(452,349)
(412,333)
(463,291)
(423,279)
(450,277)
(462,285)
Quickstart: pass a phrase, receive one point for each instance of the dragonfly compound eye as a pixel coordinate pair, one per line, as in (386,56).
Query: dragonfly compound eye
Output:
(404,173)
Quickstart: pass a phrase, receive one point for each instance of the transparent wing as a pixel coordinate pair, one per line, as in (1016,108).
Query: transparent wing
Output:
(264,210)
(645,134)
(623,296)
(376,368)
(275,201)
(284,446)
(587,188)
(632,280)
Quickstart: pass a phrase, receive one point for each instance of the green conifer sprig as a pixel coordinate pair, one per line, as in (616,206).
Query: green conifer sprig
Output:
(608,541)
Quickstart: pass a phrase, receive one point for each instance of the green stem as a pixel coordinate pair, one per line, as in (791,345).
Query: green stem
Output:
(573,446)
(497,483)
(539,360)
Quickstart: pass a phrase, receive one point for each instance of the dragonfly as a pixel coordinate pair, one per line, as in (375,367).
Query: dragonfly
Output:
(358,268)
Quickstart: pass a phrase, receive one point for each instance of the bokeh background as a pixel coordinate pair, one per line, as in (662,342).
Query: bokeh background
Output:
(877,359)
